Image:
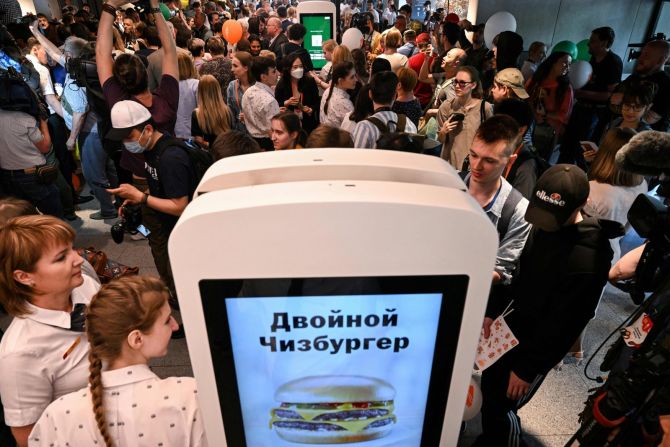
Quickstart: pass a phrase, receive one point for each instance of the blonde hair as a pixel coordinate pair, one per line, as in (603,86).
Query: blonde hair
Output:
(604,168)
(120,307)
(212,113)
(268,54)
(342,54)
(186,67)
(11,207)
(329,45)
(393,39)
(23,241)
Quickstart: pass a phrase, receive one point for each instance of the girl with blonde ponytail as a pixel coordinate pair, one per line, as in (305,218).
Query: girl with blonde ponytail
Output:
(128,323)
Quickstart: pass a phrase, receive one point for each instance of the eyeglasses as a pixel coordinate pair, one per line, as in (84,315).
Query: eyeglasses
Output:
(462,83)
(633,107)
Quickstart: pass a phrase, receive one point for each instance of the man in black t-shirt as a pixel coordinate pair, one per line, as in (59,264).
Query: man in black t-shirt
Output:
(168,172)
(649,67)
(590,114)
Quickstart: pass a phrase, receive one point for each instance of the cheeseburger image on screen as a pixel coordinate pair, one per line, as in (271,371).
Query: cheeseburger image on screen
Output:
(333,409)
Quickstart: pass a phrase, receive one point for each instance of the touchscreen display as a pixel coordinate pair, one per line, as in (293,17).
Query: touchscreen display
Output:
(367,360)
(319,29)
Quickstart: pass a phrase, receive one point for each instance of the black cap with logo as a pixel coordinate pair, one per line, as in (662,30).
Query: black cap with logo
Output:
(560,191)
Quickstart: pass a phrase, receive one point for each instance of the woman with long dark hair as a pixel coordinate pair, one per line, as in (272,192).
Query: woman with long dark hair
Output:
(551,98)
(335,103)
(297,92)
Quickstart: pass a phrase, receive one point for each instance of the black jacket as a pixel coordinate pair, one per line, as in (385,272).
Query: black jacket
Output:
(560,280)
(276,45)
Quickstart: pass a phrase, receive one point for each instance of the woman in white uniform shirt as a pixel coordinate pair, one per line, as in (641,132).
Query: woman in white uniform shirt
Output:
(128,323)
(44,353)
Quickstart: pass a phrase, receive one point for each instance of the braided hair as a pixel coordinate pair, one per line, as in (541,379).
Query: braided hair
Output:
(120,307)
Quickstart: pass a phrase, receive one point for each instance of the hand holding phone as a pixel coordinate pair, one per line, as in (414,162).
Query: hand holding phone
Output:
(588,146)
(456,117)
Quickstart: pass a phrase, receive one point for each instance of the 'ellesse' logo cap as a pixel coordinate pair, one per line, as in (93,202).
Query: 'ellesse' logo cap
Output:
(558,193)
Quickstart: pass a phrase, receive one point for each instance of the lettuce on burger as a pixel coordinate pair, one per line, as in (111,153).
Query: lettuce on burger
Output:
(333,409)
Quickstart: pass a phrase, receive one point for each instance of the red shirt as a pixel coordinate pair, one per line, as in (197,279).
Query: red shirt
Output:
(423,91)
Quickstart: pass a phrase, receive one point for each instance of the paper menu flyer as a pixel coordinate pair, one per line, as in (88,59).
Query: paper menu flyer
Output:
(498,344)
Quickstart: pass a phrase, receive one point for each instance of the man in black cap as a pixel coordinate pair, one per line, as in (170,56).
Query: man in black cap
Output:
(562,271)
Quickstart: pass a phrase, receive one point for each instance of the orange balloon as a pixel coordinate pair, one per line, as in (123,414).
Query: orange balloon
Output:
(232,31)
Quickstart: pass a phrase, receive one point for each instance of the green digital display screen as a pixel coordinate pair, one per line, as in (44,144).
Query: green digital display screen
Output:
(319,29)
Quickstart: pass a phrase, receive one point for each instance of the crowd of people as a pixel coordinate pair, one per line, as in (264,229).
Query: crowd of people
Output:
(121,93)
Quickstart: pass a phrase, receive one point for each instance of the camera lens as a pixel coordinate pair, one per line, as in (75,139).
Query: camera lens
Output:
(117,231)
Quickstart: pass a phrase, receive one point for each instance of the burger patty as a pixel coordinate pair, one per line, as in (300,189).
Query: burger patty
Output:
(380,423)
(345,415)
(309,426)
(312,426)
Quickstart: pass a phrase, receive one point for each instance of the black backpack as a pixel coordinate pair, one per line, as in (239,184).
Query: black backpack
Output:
(398,140)
(541,164)
(200,158)
(16,95)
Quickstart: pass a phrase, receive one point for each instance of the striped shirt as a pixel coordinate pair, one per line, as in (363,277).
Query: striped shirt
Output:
(366,134)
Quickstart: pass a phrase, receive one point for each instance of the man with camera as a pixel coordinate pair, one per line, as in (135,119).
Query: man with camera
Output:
(169,175)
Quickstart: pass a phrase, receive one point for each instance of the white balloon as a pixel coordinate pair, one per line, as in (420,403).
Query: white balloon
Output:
(473,401)
(352,38)
(580,73)
(496,24)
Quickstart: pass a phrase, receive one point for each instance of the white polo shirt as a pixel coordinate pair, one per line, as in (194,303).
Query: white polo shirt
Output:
(140,410)
(33,370)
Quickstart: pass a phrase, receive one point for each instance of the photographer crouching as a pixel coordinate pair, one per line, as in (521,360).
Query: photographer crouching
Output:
(632,407)
(169,174)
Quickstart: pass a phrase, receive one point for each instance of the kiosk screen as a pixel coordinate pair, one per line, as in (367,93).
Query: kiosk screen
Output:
(334,360)
(319,29)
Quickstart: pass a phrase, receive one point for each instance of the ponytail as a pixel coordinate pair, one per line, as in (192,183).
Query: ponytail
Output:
(340,70)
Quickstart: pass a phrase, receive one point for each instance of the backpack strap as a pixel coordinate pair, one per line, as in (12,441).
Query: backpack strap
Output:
(402,122)
(509,206)
(379,124)
(482,111)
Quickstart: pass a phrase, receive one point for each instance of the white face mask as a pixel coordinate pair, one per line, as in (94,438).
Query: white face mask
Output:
(297,73)
(134,147)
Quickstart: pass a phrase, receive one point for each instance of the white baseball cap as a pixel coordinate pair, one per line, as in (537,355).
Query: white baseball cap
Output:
(127,115)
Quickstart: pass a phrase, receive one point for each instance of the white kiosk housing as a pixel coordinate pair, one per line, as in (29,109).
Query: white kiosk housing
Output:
(319,18)
(332,296)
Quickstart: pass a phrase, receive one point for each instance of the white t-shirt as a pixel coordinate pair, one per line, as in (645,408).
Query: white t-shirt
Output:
(33,370)
(612,203)
(140,410)
(397,60)
(46,84)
